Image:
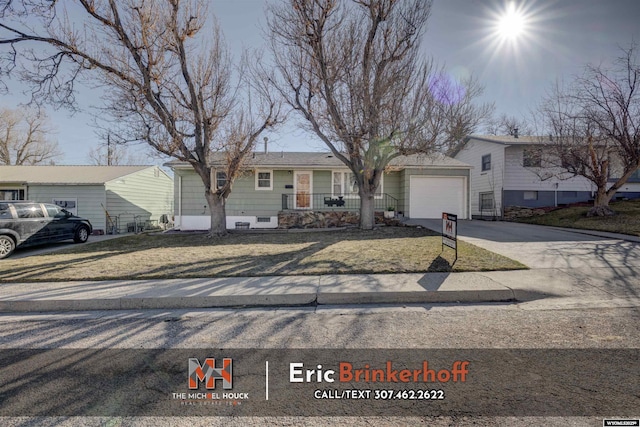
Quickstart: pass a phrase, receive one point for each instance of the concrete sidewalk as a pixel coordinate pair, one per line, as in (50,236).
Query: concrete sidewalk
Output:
(617,287)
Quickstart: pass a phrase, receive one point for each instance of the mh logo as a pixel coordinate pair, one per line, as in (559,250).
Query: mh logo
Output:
(208,373)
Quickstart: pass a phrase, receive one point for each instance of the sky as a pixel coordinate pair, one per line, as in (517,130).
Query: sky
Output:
(557,38)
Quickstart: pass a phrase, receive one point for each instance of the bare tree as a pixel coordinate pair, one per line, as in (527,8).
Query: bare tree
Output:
(25,138)
(594,125)
(354,71)
(113,155)
(509,125)
(462,115)
(167,82)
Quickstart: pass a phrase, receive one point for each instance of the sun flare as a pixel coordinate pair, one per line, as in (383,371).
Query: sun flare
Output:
(511,24)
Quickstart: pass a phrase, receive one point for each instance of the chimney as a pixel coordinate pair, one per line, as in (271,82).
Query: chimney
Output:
(515,133)
(266,147)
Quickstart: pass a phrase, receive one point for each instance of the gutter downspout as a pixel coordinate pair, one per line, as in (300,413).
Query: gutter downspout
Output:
(179,200)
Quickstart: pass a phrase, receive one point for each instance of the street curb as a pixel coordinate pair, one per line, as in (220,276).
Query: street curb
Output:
(157,303)
(417,297)
(296,300)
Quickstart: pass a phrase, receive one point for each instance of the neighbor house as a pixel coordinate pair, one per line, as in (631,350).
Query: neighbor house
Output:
(274,185)
(111,197)
(509,171)
(631,188)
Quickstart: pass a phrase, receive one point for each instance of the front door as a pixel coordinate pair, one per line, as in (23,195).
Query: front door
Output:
(302,188)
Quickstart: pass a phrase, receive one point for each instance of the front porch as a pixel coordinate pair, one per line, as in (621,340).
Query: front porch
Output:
(329,202)
(325,210)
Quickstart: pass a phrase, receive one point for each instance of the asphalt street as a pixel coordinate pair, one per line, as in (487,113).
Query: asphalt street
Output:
(492,326)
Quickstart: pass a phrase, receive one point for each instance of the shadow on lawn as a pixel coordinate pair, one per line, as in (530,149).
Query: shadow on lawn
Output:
(37,268)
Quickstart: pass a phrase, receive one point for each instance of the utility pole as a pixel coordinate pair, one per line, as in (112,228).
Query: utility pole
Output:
(109,154)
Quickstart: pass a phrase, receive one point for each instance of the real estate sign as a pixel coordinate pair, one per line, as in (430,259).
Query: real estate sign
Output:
(450,230)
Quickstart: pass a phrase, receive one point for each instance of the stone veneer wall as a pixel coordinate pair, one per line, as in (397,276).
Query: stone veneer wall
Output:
(514,212)
(328,219)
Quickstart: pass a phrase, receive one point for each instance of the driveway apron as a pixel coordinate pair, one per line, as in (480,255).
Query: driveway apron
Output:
(540,247)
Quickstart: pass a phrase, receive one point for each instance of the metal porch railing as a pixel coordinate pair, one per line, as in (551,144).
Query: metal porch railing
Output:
(329,202)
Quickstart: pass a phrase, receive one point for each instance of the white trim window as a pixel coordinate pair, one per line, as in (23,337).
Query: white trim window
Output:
(221,179)
(344,184)
(12,194)
(487,201)
(264,180)
(486,162)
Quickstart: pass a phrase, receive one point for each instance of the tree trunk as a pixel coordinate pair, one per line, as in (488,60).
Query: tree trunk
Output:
(601,204)
(218,214)
(367,215)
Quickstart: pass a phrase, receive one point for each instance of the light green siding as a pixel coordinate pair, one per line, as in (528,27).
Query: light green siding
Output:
(392,185)
(321,182)
(90,199)
(189,187)
(146,194)
(246,200)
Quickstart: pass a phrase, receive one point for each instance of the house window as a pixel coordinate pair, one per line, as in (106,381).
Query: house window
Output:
(344,184)
(11,194)
(531,158)
(530,195)
(221,179)
(486,162)
(486,201)
(264,180)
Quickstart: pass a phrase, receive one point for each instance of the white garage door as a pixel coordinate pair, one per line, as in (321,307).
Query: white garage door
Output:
(430,196)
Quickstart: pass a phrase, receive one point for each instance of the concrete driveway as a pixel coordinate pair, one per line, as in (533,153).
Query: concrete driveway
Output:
(57,246)
(544,247)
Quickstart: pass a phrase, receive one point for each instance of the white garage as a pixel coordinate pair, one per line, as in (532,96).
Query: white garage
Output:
(429,196)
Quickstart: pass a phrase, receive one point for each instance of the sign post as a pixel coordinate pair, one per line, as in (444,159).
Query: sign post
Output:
(450,232)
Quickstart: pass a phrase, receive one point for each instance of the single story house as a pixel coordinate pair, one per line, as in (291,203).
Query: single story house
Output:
(507,171)
(416,186)
(108,196)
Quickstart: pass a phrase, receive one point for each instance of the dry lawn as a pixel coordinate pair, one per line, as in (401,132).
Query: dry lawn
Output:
(627,220)
(189,255)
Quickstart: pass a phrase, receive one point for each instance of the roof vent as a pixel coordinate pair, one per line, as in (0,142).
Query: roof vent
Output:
(515,133)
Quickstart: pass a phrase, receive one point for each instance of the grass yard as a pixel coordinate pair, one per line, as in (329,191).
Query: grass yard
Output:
(627,220)
(144,256)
